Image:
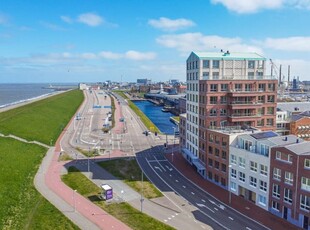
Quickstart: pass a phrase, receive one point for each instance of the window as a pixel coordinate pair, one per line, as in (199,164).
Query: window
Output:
(242,176)
(210,162)
(276,190)
(275,205)
(263,185)
(216,152)
(288,178)
(284,157)
(215,64)
(223,168)
(270,110)
(205,74)
(253,181)
(233,186)
(262,200)
(233,159)
(277,174)
(216,164)
(251,64)
(233,173)
(307,163)
(224,154)
(304,202)
(223,112)
(210,175)
(253,166)
(270,99)
(213,87)
(215,75)
(269,122)
(223,100)
(238,87)
(305,183)
(213,112)
(288,195)
(213,100)
(224,87)
(241,162)
(205,63)
(264,170)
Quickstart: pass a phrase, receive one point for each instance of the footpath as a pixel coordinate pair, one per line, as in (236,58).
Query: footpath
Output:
(238,203)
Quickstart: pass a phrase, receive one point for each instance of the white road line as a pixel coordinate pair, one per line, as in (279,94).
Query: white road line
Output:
(193,193)
(248,228)
(215,209)
(203,200)
(184,186)
(172,216)
(176,181)
(170,175)
(231,218)
(203,226)
(165,220)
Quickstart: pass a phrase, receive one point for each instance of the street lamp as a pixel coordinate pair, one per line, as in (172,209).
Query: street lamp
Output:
(141,200)
(173,142)
(229,198)
(88,159)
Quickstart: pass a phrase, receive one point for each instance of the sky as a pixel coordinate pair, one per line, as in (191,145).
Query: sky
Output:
(53,41)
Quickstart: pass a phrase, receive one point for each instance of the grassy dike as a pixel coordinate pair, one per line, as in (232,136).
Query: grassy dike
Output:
(146,121)
(42,120)
(122,211)
(22,207)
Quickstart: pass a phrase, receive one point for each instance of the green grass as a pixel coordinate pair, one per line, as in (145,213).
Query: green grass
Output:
(122,211)
(22,207)
(146,121)
(42,120)
(129,171)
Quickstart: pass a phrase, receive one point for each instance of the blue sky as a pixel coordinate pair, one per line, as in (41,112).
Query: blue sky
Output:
(97,40)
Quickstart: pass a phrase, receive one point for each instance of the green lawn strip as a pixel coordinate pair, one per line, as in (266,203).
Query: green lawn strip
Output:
(129,171)
(42,120)
(22,207)
(122,211)
(177,118)
(89,153)
(146,121)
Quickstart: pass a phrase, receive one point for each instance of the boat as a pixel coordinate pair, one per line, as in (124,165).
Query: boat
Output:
(165,110)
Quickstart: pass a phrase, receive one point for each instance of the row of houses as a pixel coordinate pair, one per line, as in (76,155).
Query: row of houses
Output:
(228,132)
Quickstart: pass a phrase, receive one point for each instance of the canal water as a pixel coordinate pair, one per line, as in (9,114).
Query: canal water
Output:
(159,118)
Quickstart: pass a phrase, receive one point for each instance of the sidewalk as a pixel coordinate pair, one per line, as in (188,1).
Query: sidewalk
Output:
(238,203)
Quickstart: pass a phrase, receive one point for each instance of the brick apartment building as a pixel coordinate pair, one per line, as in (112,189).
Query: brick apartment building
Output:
(289,196)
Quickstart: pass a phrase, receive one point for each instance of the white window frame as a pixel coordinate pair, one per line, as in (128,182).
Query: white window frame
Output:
(263,170)
(275,205)
(276,190)
(304,202)
(253,181)
(233,159)
(242,162)
(289,178)
(263,185)
(307,164)
(277,174)
(242,177)
(233,186)
(305,183)
(288,195)
(233,173)
(262,200)
(253,166)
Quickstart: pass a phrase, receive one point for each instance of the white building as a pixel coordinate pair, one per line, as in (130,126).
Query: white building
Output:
(249,164)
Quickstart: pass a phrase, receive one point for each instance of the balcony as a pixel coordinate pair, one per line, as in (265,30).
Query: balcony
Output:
(245,104)
(244,93)
(243,117)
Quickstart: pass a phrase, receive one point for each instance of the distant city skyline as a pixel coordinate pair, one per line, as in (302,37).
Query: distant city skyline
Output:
(97,40)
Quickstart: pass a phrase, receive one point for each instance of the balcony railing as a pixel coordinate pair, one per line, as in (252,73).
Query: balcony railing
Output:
(265,77)
(245,103)
(245,115)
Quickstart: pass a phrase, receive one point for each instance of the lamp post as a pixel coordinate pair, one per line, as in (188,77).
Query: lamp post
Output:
(229,198)
(141,200)
(173,142)
(88,159)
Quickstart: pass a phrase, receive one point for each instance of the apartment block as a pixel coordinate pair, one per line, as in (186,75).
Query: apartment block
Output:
(289,196)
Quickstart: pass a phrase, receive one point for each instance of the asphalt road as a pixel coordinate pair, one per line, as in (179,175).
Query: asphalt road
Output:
(211,212)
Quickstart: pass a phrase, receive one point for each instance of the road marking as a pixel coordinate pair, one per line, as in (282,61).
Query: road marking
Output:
(176,181)
(215,209)
(172,216)
(165,220)
(170,169)
(193,193)
(231,218)
(203,200)
(169,218)
(202,205)
(158,168)
(203,226)
(248,228)
(170,175)
(222,207)
(184,186)
(176,214)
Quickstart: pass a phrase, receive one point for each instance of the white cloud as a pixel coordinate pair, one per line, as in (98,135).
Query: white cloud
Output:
(253,6)
(167,24)
(131,55)
(90,19)
(110,55)
(135,55)
(188,42)
(301,44)
(67,19)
